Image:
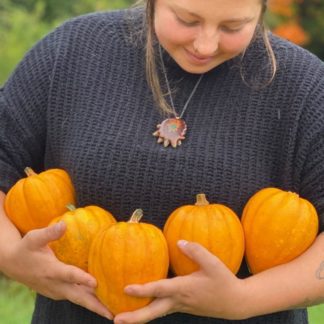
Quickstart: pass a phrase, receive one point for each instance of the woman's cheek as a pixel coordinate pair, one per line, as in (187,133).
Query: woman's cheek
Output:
(235,43)
(174,34)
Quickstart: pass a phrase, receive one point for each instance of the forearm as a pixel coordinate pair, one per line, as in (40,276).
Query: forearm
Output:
(8,232)
(299,283)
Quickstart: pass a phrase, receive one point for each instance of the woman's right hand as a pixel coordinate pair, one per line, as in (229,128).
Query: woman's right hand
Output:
(31,262)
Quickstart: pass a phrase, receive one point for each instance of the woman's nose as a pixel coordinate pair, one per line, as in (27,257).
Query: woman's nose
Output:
(206,43)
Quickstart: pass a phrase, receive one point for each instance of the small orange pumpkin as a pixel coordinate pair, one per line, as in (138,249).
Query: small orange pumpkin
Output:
(214,226)
(278,226)
(82,225)
(34,201)
(127,253)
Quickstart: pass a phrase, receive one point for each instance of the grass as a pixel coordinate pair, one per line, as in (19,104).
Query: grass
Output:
(316,314)
(17,303)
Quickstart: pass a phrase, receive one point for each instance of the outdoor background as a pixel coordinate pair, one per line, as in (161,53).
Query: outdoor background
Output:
(24,22)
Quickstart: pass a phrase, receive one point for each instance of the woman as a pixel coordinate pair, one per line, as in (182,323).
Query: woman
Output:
(254,115)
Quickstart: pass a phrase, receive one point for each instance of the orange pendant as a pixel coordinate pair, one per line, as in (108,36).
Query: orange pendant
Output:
(171,131)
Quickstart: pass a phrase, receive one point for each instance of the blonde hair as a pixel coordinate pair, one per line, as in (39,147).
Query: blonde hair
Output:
(150,57)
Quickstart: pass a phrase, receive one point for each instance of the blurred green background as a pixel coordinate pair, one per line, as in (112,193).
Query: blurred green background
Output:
(24,22)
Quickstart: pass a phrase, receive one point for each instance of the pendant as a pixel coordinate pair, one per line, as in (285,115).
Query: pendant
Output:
(171,131)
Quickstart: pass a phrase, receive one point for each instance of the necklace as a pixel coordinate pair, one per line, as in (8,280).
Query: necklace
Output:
(172,130)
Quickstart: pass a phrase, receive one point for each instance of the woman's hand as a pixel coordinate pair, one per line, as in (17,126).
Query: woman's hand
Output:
(212,291)
(31,262)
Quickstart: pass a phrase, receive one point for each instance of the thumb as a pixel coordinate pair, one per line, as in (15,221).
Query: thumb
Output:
(41,237)
(200,255)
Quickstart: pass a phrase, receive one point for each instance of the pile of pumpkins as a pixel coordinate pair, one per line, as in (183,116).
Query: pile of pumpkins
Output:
(276,227)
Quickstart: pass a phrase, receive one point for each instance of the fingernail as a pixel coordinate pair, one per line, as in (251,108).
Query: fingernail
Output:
(110,317)
(58,227)
(128,289)
(118,321)
(182,243)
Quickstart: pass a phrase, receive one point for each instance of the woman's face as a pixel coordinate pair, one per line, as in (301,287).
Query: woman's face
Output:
(202,34)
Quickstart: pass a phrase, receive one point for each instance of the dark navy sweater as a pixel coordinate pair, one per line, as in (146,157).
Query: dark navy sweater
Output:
(79,100)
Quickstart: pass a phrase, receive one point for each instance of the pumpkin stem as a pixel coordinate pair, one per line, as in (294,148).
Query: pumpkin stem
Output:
(29,171)
(201,200)
(70,207)
(136,217)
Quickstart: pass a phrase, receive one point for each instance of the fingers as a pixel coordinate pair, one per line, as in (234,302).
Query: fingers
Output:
(54,278)
(200,255)
(41,237)
(85,297)
(163,290)
(74,275)
(158,308)
(160,288)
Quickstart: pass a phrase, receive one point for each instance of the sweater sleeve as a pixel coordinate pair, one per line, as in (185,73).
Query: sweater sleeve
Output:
(23,102)
(310,148)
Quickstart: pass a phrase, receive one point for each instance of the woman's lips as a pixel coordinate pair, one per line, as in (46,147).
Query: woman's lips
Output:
(198,59)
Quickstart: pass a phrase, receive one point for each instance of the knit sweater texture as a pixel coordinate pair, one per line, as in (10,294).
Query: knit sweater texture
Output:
(79,100)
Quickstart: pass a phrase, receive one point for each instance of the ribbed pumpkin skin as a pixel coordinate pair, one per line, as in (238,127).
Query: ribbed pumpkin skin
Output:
(214,226)
(34,201)
(127,253)
(82,225)
(278,226)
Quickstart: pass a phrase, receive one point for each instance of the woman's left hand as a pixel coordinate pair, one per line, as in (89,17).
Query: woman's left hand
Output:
(212,291)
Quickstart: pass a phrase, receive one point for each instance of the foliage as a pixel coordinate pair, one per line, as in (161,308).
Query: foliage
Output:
(16,302)
(299,21)
(316,314)
(18,30)
(61,9)
(24,22)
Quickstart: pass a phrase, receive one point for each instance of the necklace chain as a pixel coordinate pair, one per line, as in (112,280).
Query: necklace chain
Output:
(169,89)
(173,130)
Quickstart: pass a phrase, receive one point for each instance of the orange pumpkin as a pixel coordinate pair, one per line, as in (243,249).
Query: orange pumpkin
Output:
(127,253)
(82,225)
(34,201)
(214,226)
(278,226)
